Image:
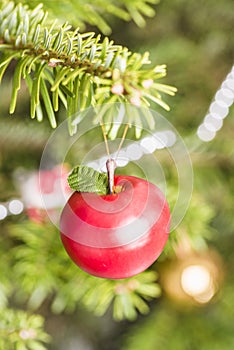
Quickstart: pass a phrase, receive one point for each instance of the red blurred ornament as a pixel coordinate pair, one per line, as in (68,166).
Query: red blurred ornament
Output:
(44,192)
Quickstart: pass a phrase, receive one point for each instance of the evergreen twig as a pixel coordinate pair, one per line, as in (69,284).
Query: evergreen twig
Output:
(20,330)
(79,70)
(59,278)
(97,13)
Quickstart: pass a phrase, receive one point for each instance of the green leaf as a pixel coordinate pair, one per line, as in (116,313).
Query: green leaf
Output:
(72,75)
(48,104)
(167,89)
(136,16)
(140,304)
(157,101)
(86,179)
(55,100)
(21,346)
(79,44)
(39,113)
(59,77)
(38,109)
(86,92)
(37,297)
(76,87)
(17,82)
(104,302)
(58,39)
(36,34)
(57,93)
(34,345)
(5,62)
(149,290)
(35,93)
(149,117)
(123,307)
(71,109)
(32,64)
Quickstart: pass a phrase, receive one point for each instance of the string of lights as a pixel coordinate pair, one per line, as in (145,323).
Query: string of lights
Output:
(218,110)
(137,149)
(12,207)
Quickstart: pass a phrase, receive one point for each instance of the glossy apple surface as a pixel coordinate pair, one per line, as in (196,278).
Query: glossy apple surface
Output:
(116,235)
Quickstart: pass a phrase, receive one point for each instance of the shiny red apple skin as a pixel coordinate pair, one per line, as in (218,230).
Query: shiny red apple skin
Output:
(100,233)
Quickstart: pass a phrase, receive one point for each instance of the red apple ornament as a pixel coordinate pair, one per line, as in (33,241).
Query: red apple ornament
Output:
(119,234)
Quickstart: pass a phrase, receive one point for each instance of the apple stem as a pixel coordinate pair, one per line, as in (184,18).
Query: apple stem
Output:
(111,166)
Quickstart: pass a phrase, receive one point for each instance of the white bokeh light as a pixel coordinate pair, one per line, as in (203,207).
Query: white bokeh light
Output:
(161,139)
(149,144)
(16,207)
(230,84)
(204,134)
(225,95)
(171,138)
(137,149)
(218,109)
(196,281)
(3,212)
(134,151)
(212,123)
(122,159)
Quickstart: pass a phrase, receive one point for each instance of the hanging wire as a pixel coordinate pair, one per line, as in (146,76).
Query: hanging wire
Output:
(111,163)
(105,140)
(121,141)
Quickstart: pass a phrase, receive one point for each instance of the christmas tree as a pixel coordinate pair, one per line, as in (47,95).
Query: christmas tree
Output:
(63,66)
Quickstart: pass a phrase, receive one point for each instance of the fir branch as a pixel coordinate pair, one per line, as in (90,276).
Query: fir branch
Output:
(64,65)
(53,275)
(19,330)
(97,13)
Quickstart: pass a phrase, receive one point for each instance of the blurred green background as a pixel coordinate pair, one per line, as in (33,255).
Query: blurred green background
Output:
(195,39)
